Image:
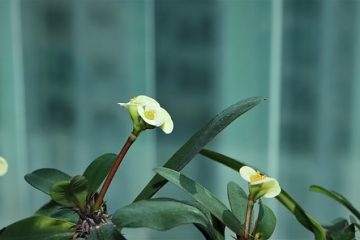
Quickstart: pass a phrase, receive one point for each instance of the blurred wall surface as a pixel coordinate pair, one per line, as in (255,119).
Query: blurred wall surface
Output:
(65,64)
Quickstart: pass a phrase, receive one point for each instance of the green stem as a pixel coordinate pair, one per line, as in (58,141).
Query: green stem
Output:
(249,211)
(114,168)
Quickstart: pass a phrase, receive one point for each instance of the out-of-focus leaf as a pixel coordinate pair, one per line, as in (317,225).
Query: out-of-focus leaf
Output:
(306,220)
(70,193)
(187,152)
(238,200)
(96,172)
(55,210)
(341,230)
(38,228)
(337,197)
(44,178)
(106,232)
(265,223)
(203,196)
(160,214)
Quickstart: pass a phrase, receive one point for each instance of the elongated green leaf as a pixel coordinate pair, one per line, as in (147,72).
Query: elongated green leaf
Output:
(238,200)
(106,232)
(203,196)
(96,172)
(337,197)
(70,193)
(55,210)
(44,178)
(187,152)
(37,228)
(265,223)
(306,220)
(160,214)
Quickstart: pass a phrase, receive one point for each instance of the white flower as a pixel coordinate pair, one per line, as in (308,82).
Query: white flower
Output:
(145,109)
(3,166)
(263,186)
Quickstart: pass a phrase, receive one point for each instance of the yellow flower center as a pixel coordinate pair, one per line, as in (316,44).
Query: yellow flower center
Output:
(257,177)
(150,114)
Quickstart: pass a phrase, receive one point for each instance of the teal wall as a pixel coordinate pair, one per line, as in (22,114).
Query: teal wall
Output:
(65,64)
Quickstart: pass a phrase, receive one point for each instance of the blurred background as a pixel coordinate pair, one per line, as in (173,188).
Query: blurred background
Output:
(65,64)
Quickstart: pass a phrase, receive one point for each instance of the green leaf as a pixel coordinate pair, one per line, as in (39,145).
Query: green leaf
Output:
(37,228)
(337,197)
(160,214)
(187,152)
(306,220)
(70,193)
(341,230)
(44,178)
(105,232)
(203,196)
(219,228)
(96,172)
(265,223)
(55,210)
(238,200)
(357,225)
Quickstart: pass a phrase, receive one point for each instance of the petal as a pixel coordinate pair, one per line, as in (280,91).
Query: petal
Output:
(145,100)
(246,172)
(3,166)
(158,119)
(125,105)
(168,125)
(272,188)
(266,179)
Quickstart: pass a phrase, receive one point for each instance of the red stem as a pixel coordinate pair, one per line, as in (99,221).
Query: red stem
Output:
(249,210)
(113,170)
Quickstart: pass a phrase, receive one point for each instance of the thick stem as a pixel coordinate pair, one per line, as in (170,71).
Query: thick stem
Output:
(114,168)
(249,211)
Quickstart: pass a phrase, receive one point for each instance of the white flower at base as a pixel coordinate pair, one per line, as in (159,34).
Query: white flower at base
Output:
(3,166)
(146,113)
(260,185)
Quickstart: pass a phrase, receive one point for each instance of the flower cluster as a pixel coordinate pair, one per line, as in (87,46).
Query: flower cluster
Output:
(259,184)
(146,113)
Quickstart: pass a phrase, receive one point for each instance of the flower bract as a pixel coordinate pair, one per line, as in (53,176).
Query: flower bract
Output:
(259,184)
(146,113)
(3,166)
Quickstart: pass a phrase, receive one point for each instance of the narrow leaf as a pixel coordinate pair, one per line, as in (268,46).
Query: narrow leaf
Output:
(96,172)
(265,223)
(187,152)
(105,232)
(203,196)
(43,179)
(306,220)
(337,197)
(38,227)
(238,200)
(160,214)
